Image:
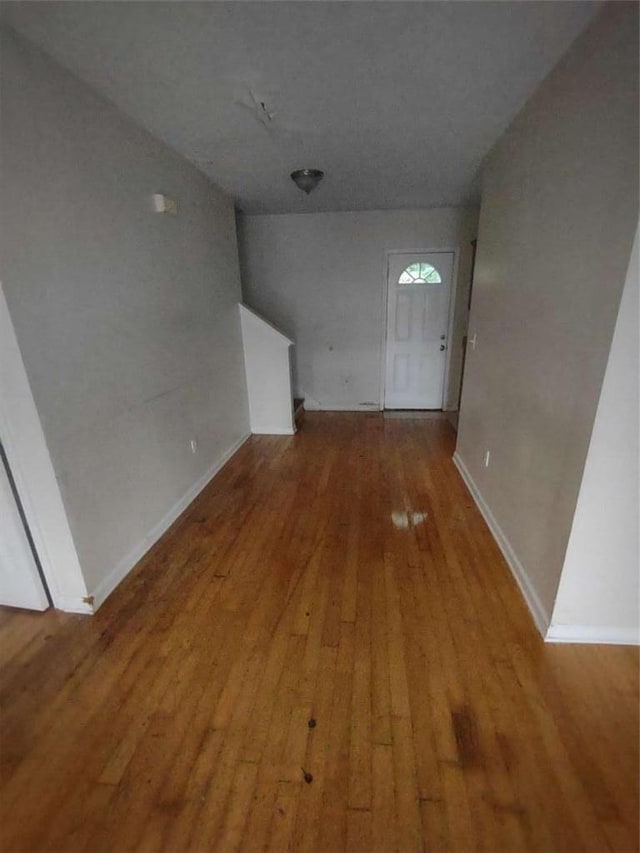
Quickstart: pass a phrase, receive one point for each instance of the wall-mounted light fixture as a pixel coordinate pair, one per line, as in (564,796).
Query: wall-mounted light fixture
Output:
(163,204)
(307,179)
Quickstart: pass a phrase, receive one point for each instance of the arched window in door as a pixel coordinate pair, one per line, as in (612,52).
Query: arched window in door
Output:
(420,273)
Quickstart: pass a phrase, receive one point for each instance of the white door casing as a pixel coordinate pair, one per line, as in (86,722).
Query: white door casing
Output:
(20,584)
(419,289)
(32,469)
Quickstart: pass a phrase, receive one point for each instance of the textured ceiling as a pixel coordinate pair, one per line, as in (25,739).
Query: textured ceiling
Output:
(397,102)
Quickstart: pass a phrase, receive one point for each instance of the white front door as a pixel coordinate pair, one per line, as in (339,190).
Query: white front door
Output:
(419,292)
(20,584)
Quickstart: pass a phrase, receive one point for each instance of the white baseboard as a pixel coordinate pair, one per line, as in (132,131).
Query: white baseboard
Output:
(604,634)
(124,566)
(70,604)
(273,431)
(315,406)
(538,611)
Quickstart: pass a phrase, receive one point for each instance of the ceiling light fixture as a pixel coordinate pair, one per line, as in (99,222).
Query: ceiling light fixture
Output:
(307,179)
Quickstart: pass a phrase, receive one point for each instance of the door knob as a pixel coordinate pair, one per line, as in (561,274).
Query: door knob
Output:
(442,347)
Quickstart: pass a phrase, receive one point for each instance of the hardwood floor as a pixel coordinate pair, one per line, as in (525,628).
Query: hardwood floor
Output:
(341,576)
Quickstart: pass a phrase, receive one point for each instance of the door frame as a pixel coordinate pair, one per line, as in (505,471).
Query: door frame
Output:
(455,251)
(4,466)
(34,476)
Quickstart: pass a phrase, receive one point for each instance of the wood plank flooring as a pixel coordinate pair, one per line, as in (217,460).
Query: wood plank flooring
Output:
(341,576)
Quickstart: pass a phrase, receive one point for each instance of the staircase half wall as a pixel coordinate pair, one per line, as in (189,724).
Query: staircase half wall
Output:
(268,369)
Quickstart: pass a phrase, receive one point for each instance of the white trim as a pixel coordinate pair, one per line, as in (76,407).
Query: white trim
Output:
(605,634)
(446,407)
(455,250)
(413,406)
(314,406)
(538,611)
(383,336)
(35,477)
(266,430)
(74,605)
(122,569)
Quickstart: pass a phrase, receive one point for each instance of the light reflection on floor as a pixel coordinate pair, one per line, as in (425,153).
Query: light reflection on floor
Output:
(403,520)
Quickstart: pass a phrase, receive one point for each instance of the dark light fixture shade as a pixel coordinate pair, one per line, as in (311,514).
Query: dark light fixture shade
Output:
(307,179)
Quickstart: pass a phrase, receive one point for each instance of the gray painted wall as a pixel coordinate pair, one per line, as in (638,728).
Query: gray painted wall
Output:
(126,319)
(320,278)
(559,211)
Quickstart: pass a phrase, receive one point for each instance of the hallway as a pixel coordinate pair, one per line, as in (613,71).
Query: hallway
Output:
(331,605)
